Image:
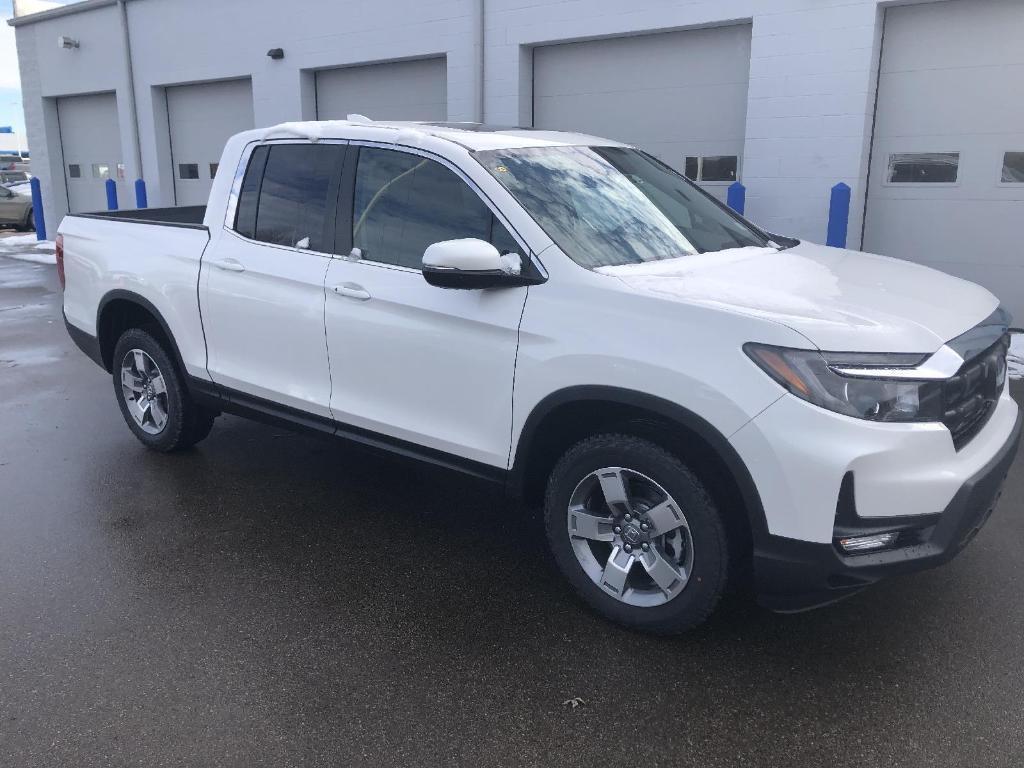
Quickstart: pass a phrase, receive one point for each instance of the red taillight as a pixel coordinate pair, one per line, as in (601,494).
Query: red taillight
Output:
(60,261)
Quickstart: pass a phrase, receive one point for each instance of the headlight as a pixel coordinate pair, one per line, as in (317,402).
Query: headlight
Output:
(812,376)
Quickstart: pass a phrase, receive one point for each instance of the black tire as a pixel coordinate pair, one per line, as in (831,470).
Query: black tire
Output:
(709,573)
(30,221)
(187,423)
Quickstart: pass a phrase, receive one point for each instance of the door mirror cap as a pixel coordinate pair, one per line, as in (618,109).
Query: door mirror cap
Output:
(471,263)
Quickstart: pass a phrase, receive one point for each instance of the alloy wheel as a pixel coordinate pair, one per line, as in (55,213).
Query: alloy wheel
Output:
(630,537)
(144,391)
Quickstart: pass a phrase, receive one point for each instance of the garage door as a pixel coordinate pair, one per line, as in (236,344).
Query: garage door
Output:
(682,96)
(401,90)
(201,118)
(91,143)
(947,164)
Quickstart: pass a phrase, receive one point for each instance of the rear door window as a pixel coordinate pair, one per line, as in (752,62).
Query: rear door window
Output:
(287,193)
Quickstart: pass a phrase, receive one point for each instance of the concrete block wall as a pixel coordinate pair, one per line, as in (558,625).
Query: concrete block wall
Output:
(811,95)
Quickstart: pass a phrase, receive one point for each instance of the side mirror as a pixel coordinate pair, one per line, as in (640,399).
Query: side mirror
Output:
(471,263)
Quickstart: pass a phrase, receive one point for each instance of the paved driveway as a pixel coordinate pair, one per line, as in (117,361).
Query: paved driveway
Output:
(273,599)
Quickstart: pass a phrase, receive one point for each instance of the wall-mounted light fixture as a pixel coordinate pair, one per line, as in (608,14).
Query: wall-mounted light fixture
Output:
(66,42)
(276,53)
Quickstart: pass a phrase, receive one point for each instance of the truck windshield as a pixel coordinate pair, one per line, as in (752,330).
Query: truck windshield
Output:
(606,206)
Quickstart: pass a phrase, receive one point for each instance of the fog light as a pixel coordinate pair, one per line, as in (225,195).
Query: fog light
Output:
(868,543)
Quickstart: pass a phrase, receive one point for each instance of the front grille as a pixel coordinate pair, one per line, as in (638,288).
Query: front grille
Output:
(970,397)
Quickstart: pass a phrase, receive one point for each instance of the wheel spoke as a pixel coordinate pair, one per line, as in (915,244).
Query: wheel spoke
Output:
(616,570)
(137,411)
(159,385)
(613,486)
(663,573)
(130,380)
(665,517)
(158,414)
(140,362)
(584,525)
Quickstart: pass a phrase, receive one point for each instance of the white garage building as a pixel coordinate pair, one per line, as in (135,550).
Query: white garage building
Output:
(919,108)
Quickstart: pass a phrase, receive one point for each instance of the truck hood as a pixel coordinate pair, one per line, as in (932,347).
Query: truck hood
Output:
(839,300)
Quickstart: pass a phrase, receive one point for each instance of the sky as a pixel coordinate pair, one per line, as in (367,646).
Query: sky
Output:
(10,84)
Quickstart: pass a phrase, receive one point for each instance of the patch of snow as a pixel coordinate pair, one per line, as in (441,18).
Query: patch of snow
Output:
(511,263)
(36,257)
(1015,359)
(28,248)
(23,240)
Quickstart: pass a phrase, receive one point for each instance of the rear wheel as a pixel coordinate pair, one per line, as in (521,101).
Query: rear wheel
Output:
(29,225)
(636,533)
(152,396)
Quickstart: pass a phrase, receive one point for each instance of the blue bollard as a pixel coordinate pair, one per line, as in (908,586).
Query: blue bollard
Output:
(141,201)
(736,197)
(37,209)
(838,215)
(111,195)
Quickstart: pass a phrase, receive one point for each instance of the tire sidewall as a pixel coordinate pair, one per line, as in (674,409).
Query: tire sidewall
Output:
(168,438)
(710,562)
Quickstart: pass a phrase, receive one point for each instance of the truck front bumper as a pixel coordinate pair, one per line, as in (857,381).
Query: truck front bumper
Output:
(794,575)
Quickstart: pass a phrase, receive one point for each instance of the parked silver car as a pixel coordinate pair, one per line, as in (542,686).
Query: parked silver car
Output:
(16,210)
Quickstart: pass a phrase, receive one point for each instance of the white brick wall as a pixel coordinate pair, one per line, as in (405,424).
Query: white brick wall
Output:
(811,93)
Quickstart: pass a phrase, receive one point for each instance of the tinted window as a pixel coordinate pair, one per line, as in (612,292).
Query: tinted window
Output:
(293,198)
(1013,168)
(711,168)
(403,203)
(692,168)
(248,195)
(719,168)
(923,167)
(188,170)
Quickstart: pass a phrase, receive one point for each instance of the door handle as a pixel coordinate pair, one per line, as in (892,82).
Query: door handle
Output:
(352,290)
(230,265)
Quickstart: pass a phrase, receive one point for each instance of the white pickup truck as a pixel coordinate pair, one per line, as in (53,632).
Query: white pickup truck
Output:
(692,399)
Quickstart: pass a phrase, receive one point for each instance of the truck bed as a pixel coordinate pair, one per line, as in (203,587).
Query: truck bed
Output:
(183,216)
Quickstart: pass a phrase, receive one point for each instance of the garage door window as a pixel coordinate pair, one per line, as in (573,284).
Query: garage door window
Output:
(712,168)
(403,203)
(1013,168)
(188,170)
(100,171)
(923,167)
(75,171)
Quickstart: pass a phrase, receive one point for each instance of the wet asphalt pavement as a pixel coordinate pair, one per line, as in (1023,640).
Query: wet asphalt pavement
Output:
(276,599)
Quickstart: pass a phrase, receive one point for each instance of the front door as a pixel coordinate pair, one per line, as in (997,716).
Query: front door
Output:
(421,364)
(262,283)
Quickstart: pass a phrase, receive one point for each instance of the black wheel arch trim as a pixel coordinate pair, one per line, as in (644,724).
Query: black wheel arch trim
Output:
(667,409)
(120,294)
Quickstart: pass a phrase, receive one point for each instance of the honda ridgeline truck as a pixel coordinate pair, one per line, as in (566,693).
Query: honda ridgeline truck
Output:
(690,397)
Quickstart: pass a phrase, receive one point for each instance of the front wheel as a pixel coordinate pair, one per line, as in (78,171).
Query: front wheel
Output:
(152,396)
(636,534)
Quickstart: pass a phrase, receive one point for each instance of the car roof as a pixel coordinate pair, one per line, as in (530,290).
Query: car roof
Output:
(471,136)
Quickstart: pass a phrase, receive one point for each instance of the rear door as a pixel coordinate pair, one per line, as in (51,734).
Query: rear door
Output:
(421,364)
(262,282)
